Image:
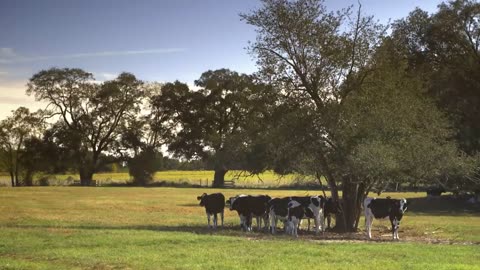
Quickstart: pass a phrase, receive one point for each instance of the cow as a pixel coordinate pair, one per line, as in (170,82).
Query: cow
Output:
(295,213)
(248,207)
(382,208)
(313,206)
(278,210)
(330,208)
(214,204)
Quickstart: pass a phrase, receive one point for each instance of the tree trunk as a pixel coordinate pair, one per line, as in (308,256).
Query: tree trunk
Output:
(219,177)
(361,194)
(12,177)
(86,175)
(352,197)
(17,179)
(28,178)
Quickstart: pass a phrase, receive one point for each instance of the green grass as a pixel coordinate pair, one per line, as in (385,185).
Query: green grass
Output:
(164,228)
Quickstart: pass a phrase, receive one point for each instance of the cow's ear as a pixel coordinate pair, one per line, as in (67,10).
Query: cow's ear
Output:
(199,198)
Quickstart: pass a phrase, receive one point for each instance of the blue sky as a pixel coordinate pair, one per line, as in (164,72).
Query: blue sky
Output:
(162,40)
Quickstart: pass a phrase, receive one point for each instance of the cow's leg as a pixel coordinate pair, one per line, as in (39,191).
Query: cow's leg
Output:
(368,225)
(322,222)
(242,222)
(208,219)
(265,222)
(221,216)
(273,222)
(395,226)
(215,218)
(249,222)
(329,220)
(393,222)
(308,224)
(259,223)
(295,222)
(316,220)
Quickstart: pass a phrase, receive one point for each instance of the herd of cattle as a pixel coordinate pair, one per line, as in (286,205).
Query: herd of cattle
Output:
(291,210)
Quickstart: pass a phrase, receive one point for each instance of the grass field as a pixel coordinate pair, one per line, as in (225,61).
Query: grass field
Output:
(164,228)
(267,179)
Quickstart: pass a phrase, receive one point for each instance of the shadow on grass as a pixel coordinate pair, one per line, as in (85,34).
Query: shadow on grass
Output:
(446,205)
(381,235)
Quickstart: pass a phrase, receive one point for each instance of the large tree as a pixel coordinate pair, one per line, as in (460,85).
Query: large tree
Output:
(90,113)
(331,73)
(211,123)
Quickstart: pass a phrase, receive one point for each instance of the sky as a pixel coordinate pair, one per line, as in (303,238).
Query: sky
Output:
(157,40)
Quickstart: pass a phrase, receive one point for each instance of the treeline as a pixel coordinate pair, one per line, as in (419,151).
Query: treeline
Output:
(337,96)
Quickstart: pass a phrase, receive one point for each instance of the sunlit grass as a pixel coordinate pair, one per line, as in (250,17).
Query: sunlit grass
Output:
(203,178)
(164,228)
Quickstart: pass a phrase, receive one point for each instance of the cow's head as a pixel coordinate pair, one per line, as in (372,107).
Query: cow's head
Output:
(231,201)
(202,199)
(400,206)
(317,201)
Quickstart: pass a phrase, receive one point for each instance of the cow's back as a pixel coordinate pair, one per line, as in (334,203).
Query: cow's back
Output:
(215,203)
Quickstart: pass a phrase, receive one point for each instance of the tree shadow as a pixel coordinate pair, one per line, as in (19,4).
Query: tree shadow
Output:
(446,205)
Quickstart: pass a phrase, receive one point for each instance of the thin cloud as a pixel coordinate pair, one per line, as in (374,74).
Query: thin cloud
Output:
(108,76)
(7,55)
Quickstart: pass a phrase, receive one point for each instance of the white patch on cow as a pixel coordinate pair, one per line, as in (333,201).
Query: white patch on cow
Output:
(368,216)
(293,204)
(403,206)
(316,210)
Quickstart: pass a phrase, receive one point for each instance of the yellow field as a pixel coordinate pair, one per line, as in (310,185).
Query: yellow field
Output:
(204,178)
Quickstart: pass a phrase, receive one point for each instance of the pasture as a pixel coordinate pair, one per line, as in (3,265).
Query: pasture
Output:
(164,228)
(203,178)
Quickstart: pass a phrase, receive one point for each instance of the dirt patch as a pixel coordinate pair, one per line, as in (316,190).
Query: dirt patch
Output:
(358,237)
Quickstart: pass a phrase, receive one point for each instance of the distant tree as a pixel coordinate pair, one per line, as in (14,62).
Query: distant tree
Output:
(142,136)
(444,47)
(91,114)
(15,132)
(211,123)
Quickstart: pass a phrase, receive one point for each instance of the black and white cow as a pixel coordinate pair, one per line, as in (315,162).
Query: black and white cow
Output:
(313,206)
(295,213)
(214,204)
(382,208)
(278,210)
(330,208)
(247,207)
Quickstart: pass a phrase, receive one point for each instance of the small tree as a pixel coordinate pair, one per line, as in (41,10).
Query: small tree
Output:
(15,131)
